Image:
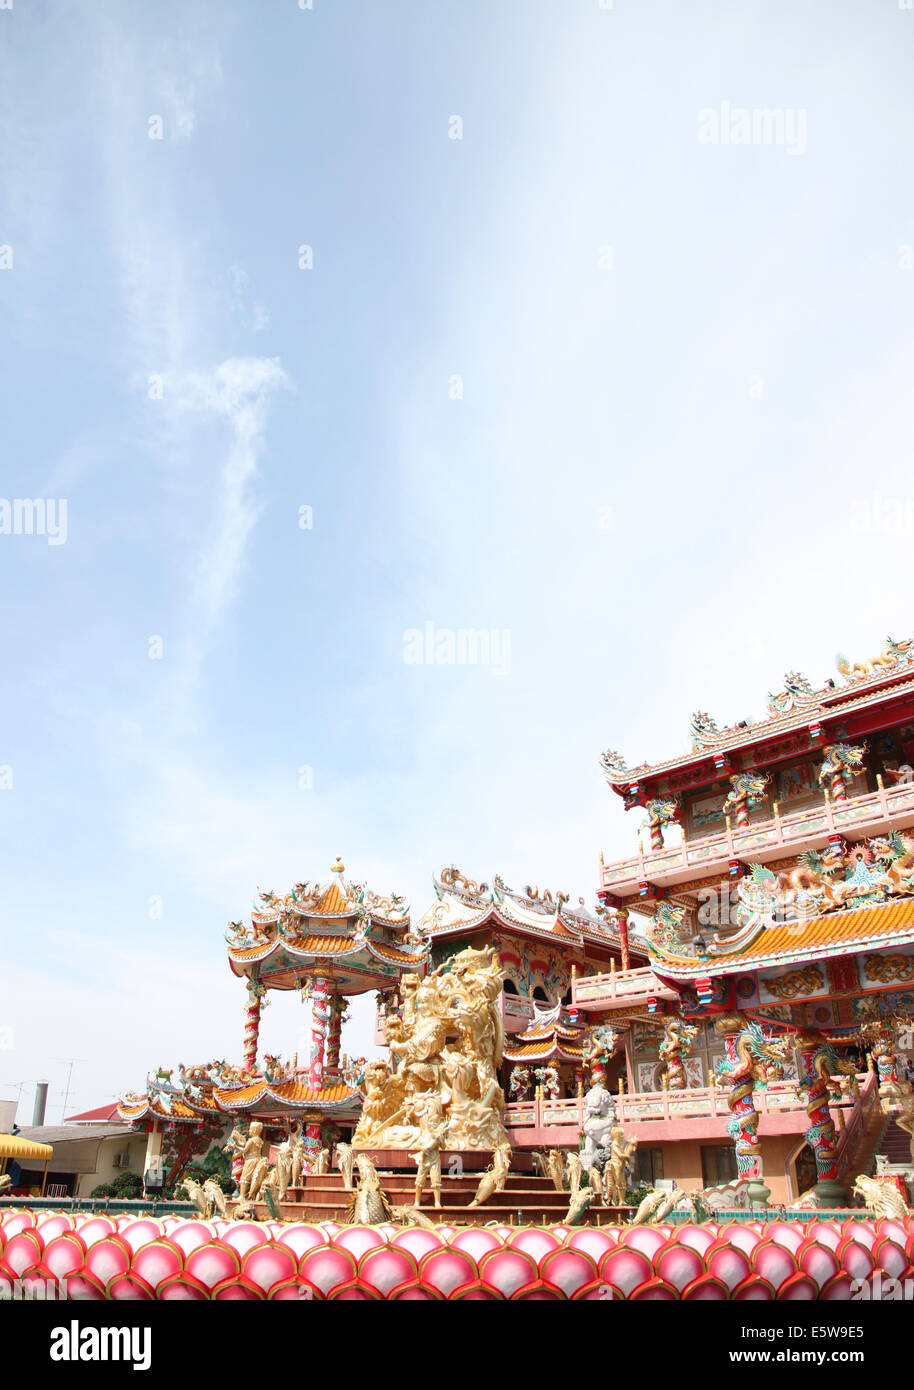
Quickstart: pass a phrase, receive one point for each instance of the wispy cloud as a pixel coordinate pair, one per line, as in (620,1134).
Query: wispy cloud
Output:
(237,392)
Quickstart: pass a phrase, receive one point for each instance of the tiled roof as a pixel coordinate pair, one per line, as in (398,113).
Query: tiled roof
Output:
(542,1051)
(331,904)
(831,933)
(394,955)
(290,1092)
(98,1116)
(323,945)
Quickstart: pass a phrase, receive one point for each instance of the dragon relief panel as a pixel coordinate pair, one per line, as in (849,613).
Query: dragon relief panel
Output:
(794,984)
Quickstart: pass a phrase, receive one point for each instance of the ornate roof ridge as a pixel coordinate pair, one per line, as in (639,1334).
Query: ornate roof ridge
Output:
(540,913)
(789,709)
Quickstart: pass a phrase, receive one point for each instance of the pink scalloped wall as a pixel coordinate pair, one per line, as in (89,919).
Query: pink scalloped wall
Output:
(173,1258)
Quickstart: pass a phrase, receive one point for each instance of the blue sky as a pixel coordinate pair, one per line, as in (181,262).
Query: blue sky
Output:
(678,466)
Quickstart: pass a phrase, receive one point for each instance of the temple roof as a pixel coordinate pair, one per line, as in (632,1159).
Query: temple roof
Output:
(829,934)
(548,1039)
(287,1095)
(463,905)
(795,707)
(227,1090)
(363,940)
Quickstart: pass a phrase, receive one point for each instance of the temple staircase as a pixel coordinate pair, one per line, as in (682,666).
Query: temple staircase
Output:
(527,1200)
(895,1144)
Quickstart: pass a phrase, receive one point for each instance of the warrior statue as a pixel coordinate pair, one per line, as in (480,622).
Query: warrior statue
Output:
(599,1118)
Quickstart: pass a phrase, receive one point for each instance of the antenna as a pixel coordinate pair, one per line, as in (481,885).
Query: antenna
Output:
(66,1095)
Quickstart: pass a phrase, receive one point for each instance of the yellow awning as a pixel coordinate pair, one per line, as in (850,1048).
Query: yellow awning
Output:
(11,1146)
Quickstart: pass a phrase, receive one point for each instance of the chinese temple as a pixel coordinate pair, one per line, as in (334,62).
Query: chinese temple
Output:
(778,883)
(732,1018)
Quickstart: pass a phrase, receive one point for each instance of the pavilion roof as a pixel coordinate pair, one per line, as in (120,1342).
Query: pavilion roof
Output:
(549,1037)
(364,940)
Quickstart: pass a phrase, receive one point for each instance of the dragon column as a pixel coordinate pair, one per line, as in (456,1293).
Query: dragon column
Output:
(750,1057)
(321,1005)
(252,1012)
(816,1062)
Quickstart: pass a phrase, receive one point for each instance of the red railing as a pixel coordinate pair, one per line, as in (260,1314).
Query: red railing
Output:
(618,989)
(828,818)
(696,1103)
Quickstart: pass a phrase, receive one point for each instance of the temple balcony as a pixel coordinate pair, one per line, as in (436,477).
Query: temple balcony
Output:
(620,989)
(701,1113)
(873,813)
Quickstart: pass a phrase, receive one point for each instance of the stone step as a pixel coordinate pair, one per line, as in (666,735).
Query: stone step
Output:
(528,1214)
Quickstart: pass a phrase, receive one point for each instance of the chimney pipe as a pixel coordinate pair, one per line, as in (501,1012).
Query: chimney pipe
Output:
(41,1101)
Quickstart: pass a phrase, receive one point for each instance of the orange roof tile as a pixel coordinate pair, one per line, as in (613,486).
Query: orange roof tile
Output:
(331,904)
(294,1092)
(862,926)
(395,955)
(322,945)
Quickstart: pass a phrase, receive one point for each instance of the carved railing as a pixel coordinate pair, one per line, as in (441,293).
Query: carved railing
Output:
(857,1122)
(618,989)
(695,1103)
(780,831)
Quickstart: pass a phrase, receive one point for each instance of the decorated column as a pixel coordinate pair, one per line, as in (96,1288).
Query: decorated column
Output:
(837,770)
(743,786)
(321,1005)
(623,938)
(252,1011)
(521,1083)
(320,1028)
(603,1042)
(750,1058)
(334,1034)
(678,1037)
(816,1063)
(660,812)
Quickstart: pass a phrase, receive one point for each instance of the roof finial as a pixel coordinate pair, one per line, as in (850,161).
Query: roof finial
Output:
(338,867)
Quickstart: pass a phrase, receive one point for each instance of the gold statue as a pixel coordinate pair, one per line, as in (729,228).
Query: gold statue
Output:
(882,1198)
(368,1205)
(655,1205)
(345,1160)
(555,1160)
(620,1151)
(432,1129)
(495,1177)
(575,1170)
(447,1043)
(254,1167)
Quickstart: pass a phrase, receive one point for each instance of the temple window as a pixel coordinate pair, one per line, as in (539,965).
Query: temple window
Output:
(718,1164)
(650,1165)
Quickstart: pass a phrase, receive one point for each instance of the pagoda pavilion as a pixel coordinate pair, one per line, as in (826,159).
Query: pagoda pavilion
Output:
(328,943)
(779,886)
